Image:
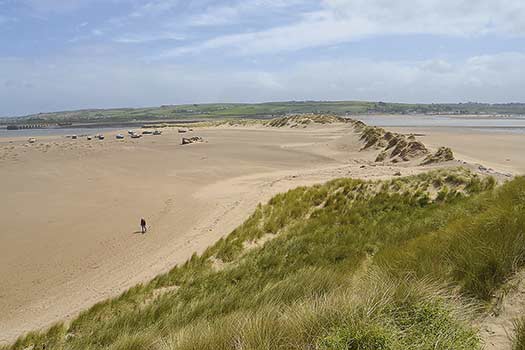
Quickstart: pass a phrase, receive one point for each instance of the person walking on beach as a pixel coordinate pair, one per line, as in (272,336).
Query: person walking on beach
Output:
(143,225)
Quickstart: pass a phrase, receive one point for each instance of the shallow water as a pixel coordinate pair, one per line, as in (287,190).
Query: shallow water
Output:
(513,125)
(55,132)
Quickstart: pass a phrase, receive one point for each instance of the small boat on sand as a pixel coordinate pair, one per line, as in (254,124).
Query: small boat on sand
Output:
(31,140)
(136,136)
(157,132)
(119,137)
(89,138)
(100,137)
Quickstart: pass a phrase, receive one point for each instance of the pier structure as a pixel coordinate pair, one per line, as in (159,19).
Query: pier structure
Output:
(29,126)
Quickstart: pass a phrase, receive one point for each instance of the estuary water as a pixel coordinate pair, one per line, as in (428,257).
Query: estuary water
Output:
(491,124)
(55,132)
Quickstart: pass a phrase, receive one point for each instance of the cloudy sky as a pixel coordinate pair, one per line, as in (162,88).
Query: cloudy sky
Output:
(70,54)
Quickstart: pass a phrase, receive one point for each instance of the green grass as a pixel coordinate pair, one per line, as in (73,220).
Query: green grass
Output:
(477,252)
(519,334)
(351,264)
(378,314)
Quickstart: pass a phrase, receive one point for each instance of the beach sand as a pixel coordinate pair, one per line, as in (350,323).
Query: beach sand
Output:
(495,149)
(71,208)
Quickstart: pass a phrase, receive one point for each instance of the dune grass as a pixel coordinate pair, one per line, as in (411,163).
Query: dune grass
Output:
(477,253)
(519,334)
(379,313)
(349,264)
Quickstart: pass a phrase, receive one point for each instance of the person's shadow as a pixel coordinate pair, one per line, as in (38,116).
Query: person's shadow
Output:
(136,232)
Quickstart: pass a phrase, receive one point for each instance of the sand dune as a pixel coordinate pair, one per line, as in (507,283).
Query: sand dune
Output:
(499,150)
(71,208)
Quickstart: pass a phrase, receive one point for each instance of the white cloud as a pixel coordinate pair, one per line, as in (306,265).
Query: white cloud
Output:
(153,8)
(304,34)
(216,16)
(166,19)
(254,30)
(63,6)
(144,38)
(455,17)
(340,21)
(237,12)
(488,78)
(55,6)
(87,83)
(438,66)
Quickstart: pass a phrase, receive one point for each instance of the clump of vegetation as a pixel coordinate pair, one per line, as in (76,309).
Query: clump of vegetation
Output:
(373,137)
(378,314)
(519,334)
(303,120)
(393,147)
(407,150)
(229,122)
(478,253)
(349,264)
(443,154)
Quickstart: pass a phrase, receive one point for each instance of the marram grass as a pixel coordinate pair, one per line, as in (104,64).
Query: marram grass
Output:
(350,264)
(519,334)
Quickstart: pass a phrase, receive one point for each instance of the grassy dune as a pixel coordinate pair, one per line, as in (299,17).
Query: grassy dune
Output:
(399,264)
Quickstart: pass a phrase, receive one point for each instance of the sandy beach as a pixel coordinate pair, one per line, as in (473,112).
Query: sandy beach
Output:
(71,208)
(498,150)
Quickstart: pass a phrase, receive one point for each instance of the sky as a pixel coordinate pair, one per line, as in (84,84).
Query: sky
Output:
(72,54)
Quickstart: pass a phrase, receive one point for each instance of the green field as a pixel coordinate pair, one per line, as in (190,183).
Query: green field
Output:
(399,264)
(230,110)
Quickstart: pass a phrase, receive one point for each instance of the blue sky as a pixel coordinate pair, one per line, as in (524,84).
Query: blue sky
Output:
(71,54)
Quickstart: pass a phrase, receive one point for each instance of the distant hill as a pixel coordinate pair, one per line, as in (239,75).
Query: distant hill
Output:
(217,110)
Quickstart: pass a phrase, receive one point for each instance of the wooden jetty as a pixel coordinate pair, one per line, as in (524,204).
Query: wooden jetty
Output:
(28,126)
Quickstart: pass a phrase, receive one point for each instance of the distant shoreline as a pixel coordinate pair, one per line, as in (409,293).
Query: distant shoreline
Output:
(107,124)
(269,109)
(122,124)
